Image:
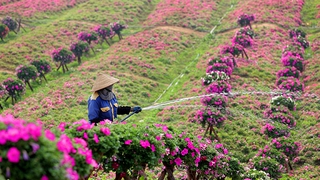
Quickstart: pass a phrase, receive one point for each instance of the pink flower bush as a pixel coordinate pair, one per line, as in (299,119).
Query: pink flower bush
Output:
(293,60)
(290,84)
(210,116)
(222,67)
(281,115)
(275,130)
(214,76)
(287,146)
(289,72)
(24,143)
(234,50)
(245,20)
(242,39)
(219,87)
(15,88)
(219,102)
(104,31)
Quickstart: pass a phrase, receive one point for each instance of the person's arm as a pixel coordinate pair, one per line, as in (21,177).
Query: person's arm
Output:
(124,110)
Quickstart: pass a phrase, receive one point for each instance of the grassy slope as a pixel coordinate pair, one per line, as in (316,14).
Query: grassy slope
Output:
(64,97)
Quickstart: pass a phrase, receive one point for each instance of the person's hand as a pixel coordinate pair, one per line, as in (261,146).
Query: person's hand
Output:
(137,109)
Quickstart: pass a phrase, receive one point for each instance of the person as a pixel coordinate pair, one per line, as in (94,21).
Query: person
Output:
(103,104)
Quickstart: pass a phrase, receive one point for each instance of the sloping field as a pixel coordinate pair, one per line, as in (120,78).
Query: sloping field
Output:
(161,62)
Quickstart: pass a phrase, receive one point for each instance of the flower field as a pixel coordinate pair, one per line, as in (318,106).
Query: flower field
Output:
(29,8)
(241,102)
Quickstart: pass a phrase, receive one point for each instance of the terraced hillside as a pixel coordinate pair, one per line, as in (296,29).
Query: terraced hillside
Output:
(161,62)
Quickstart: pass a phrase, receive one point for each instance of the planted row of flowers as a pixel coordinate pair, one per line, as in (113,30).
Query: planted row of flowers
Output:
(70,151)
(14,88)
(218,73)
(284,150)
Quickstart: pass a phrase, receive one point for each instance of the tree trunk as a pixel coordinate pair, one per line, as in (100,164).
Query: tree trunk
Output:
(191,174)
(59,66)
(162,175)
(27,82)
(63,68)
(107,41)
(44,77)
(66,67)
(216,135)
(205,133)
(1,106)
(244,51)
(2,39)
(79,60)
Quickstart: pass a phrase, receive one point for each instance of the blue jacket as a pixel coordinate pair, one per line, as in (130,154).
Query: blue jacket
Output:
(99,109)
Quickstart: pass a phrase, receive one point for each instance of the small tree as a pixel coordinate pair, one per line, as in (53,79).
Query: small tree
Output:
(4,30)
(88,37)
(63,56)
(117,28)
(26,73)
(43,67)
(10,23)
(245,20)
(104,33)
(79,48)
(15,88)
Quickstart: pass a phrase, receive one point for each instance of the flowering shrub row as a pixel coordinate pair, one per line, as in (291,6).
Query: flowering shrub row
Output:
(70,151)
(283,149)
(15,88)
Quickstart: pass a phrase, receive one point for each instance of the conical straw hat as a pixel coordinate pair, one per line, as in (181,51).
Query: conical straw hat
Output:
(103,81)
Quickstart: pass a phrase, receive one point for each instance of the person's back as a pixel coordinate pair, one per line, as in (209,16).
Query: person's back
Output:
(103,104)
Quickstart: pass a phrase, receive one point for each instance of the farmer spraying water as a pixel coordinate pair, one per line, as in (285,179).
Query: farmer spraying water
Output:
(103,104)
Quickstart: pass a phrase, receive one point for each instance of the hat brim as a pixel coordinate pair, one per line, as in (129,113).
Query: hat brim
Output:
(103,81)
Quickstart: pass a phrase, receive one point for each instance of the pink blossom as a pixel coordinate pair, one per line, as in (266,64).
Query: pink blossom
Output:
(158,138)
(178,161)
(65,144)
(225,151)
(153,148)
(85,136)
(184,152)
(128,142)
(13,155)
(49,135)
(96,138)
(105,131)
(218,146)
(13,135)
(44,177)
(145,143)
(169,136)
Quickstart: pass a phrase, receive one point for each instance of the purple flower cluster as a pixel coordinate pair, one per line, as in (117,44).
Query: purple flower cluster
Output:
(88,37)
(281,115)
(104,31)
(245,20)
(42,66)
(117,27)
(10,23)
(210,116)
(289,72)
(62,55)
(15,88)
(242,39)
